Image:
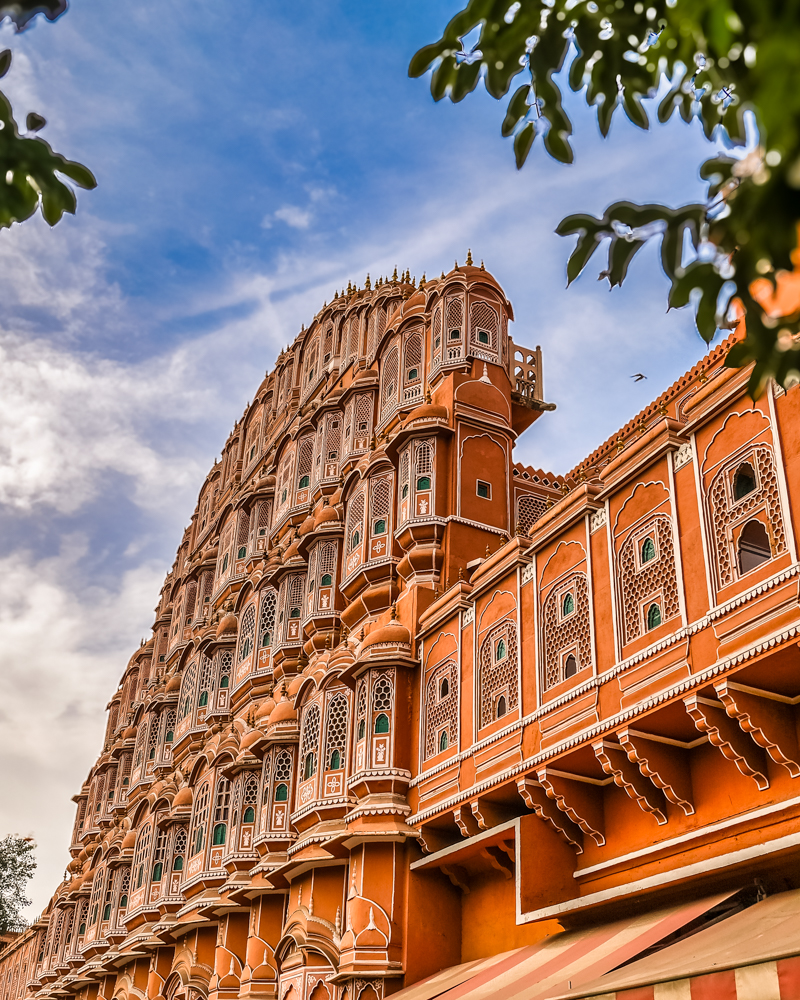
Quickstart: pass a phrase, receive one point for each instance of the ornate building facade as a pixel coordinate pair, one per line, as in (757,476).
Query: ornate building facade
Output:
(409,705)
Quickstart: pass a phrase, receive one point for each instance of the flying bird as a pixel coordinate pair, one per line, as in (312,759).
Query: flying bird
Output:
(638,377)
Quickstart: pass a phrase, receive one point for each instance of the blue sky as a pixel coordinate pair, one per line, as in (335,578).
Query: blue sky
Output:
(250,163)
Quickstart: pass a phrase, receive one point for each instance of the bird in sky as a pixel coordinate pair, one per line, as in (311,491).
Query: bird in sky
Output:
(638,377)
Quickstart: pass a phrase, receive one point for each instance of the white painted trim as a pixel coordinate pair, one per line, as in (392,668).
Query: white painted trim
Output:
(685,838)
(683,874)
(676,539)
(613,582)
(590,585)
(781,473)
(701,504)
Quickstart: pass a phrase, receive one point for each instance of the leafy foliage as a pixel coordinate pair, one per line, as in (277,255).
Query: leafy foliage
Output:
(17,865)
(29,169)
(720,58)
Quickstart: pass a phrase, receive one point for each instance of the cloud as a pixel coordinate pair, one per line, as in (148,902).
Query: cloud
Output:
(66,420)
(64,649)
(297,218)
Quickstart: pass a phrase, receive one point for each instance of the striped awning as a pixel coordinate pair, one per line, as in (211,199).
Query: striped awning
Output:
(752,955)
(560,962)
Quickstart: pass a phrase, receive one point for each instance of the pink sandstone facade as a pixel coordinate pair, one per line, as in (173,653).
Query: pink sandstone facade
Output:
(409,705)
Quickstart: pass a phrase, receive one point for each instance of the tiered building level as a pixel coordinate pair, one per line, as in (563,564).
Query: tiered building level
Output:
(408,704)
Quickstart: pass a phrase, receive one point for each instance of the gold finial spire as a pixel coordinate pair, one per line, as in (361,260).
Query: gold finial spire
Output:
(368,283)
(394,274)
(469,258)
(394,612)
(349,288)
(335,296)
(428,396)
(482,267)
(422,282)
(441,276)
(455,266)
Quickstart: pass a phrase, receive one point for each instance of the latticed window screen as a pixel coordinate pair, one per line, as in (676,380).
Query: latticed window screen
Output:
(191,601)
(264,510)
(348,427)
(424,459)
(206,678)
(123,889)
(187,689)
(727,512)
(170,721)
(296,585)
(179,846)
(327,559)
(355,519)
(138,754)
(222,803)
(309,743)
(327,344)
(152,739)
(483,318)
(311,362)
(361,706)
(560,632)
(655,580)
(441,714)
(142,855)
(380,502)
(201,808)
(160,850)
(436,339)
(354,340)
(250,790)
(111,781)
(529,509)
(412,358)
(498,676)
(283,765)
(247,632)
(405,471)
(336,731)
(266,618)
(382,693)
(333,437)
(389,380)
(455,313)
(305,457)
(225,664)
(242,530)
(266,771)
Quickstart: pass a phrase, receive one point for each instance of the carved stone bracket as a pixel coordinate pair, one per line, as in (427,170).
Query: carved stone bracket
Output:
(536,799)
(769,721)
(465,821)
(665,765)
(723,732)
(579,799)
(489,814)
(499,859)
(457,876)
(627,776)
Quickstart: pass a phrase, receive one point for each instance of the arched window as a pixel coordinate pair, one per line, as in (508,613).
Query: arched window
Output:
(220,833)
(754,547)
(203,699)
(382,723)
(744,481)
(648,550)
(312,717)
(303,482)
(500,650)
(570,666)
(249,815)
(361,729)
(444,688)
(335,761)
(281,792)
(653,616)
(309,766)
(177,864)
(567,605)
(379,527)
(502,707)
(123,904)
(326,581)
(355,538)
(158,871)
(424,483)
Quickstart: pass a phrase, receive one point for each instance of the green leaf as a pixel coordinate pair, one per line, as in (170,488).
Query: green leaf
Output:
(424,59)
(619,257)
(523,142)
(35,122)
(517,109)
(22,12)
(5,61)
(585,247)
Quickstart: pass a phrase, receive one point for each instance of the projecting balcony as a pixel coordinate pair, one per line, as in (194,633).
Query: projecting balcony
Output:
(525,372)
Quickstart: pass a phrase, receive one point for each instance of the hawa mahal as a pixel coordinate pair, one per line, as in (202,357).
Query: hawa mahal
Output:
(417,720)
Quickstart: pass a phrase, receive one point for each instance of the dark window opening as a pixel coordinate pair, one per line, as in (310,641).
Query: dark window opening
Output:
(424,483)
(219,835)
(502,707)
(648,550)
(483,337)
(303,482)
(444,688)
(744,481)
(379,527)
(242,552)
(336,761)
(570,666)
(281,793)
(455,334)
(382,723)
(249,815)
(754,547)
(309,767)
(443,740)
(568,605)
(158,871)
(484,490)
(653,616)
(326,581)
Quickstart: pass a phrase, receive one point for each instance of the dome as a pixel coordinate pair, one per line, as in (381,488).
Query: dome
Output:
(265,710)
(252,737)
(295,684)
(393,634)
(130,733)
(284,712)
(427,411)
(183,798)
(174,683)
(326,515)
(307,525)
(293,552)
(128,841)
(229,623)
